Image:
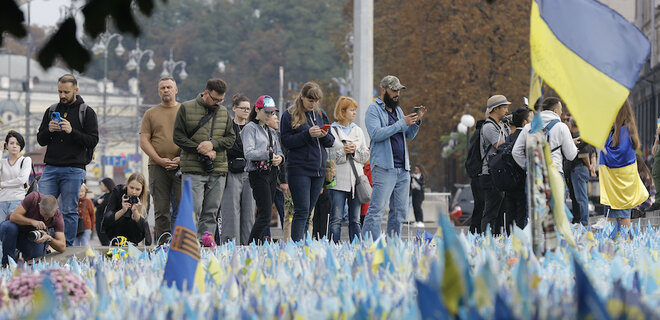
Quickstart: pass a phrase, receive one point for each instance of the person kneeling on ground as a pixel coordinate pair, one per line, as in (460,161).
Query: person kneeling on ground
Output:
(126,212)
(30,228)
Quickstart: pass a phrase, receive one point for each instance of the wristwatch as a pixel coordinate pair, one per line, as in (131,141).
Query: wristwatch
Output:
(48,241)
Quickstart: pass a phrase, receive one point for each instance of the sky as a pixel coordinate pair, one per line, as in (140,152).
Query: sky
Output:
(46,12)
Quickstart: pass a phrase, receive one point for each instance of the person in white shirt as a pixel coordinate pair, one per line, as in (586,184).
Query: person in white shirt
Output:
(14,174)
(561,142)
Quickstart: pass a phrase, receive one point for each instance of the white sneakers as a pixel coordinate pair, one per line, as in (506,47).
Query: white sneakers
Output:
(418,224)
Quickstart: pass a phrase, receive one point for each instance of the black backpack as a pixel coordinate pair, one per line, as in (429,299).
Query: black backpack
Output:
(473,161)
(82,111)
(504,171)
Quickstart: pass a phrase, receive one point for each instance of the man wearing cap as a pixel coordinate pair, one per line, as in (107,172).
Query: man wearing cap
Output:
(203,130)
(388,129)
(493,134)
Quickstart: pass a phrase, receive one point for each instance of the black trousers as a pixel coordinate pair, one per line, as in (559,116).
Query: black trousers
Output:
(321,214)
(478,211)
(417,199)
(493,206)
(263,183)
(515,206)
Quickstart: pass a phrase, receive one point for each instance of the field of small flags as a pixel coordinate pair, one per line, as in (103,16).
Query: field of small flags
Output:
(613,273)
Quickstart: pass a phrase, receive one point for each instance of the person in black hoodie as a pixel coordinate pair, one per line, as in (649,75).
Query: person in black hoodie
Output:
(70,130)
(126,212)
(305,142)
(107,185)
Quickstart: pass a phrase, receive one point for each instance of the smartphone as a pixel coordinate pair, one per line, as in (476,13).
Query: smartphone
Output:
(55,116)
(658,122)
(416,109)
(325,127)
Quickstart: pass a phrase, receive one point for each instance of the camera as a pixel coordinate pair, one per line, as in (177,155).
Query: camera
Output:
(207,163)
(507,119)
(132,199)
(34,235)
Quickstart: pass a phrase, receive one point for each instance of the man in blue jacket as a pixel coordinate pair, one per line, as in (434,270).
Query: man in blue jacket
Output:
(388,129)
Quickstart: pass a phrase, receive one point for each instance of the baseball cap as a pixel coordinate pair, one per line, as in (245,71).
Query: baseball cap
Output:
(391,82)
(265,102)
(495,101)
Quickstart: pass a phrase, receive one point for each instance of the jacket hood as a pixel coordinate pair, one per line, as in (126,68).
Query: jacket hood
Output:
(548,116)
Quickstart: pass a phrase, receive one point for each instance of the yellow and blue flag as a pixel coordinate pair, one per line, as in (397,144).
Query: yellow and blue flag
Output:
(589,304)
(43,301)
(590,55)
(620,184)
(183,256)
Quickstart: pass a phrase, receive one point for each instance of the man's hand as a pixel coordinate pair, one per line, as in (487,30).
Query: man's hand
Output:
(576,141)
(410,119)
(277,160)
(66,126)
(176,161)
(349,148)
(211,154)
(421,112)
(657,131)
(44,237)
(284,187)
(54,126)
(39,225)
(204,147)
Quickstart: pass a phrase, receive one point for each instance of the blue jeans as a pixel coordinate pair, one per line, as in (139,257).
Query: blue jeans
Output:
(64,182)
(339,199)
(83,239)
(12,237)
(304,193)
(393,185)
(579,178)
(7,207)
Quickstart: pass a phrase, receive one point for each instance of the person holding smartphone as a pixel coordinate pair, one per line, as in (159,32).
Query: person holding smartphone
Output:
(126,212)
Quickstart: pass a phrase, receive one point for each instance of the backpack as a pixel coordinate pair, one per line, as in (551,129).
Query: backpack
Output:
(34,185)
(474,160)
(546,131)
(82,110)
(504,171)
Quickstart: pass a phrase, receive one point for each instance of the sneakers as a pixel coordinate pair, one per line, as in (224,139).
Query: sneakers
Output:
(418,224)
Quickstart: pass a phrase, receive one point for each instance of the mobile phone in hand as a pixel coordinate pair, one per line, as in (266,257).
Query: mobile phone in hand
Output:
(325,127)
(55,116)
(416,109)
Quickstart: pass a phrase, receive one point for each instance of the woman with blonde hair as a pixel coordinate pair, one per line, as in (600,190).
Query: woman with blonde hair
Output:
(620,184)
(126,212)
(305,138)
(350,146)
(86,218)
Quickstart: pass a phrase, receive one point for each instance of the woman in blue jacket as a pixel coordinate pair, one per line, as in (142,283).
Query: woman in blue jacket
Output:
(305,141)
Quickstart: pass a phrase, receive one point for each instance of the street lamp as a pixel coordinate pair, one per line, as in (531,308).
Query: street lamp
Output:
(134,60)
(99,47)
(467,121)
(170,65)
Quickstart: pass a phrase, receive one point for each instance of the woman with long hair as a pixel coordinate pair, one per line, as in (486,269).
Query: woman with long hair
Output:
(620,185)
(126,213)
(263,154)
(305,142)
(237,205)
(350,146)
(417,192)
(14,174)
(107,185)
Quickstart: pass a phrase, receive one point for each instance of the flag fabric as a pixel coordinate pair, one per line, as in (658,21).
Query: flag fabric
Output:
(184,253)
(619,181)
(43,301)
(590,55)
(535,90)
(557,187)
(430,302)
(589,305)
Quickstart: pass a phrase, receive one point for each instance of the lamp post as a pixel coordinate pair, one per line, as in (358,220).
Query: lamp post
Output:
(467,122)
(103,46)
(170,65)
(134,61)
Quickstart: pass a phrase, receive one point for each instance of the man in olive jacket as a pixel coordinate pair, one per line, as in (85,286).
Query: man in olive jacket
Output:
(203,130)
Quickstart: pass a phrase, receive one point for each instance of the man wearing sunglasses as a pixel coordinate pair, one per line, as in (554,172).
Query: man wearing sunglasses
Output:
(203,130)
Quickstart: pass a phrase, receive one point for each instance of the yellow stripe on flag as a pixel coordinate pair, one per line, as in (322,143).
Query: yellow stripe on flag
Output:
(199,278)
(592,97)
(621,188)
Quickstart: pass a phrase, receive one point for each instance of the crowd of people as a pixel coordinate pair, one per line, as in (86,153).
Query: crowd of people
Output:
(500,205)
(236,164)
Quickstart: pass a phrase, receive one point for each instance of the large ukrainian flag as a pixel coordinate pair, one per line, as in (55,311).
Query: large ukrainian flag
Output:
(184,253)
(590,55)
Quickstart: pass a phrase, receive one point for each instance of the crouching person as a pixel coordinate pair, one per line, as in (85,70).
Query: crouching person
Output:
(33,226)
(126,212)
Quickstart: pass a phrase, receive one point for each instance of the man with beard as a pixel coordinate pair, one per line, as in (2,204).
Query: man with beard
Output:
(388,129)
(157,141)
(70,130)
